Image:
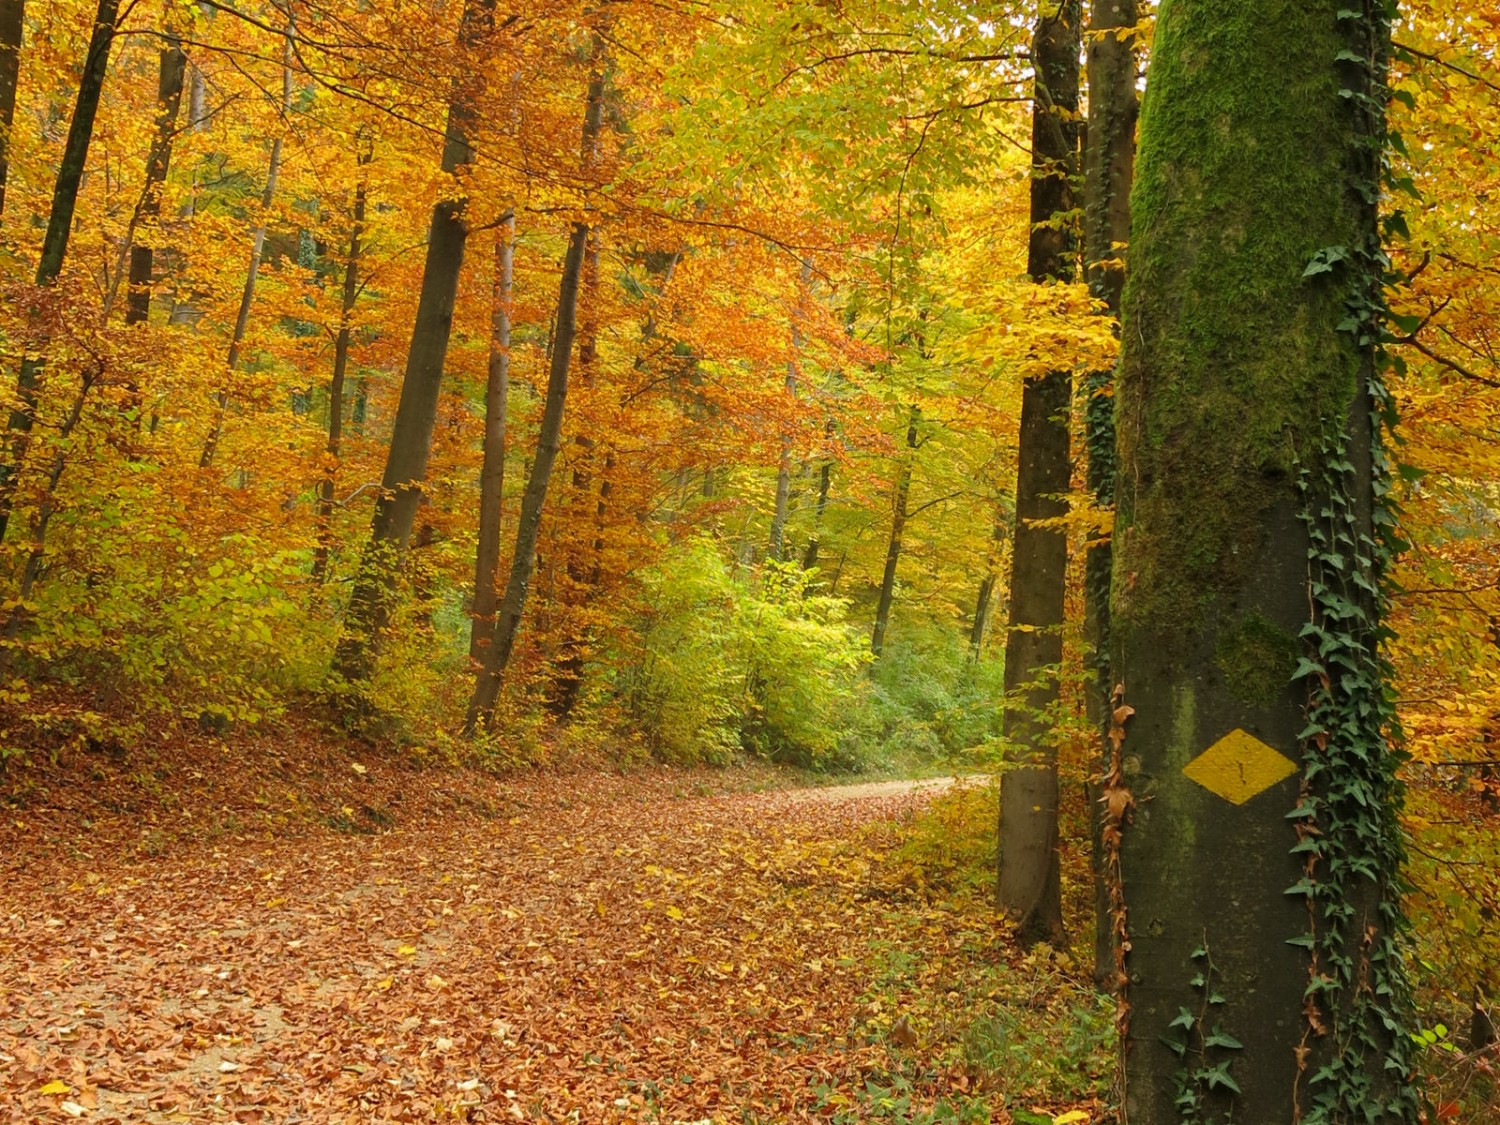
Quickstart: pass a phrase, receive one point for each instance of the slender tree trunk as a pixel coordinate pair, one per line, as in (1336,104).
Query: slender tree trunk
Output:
(1109,159)
(784,467)
(252,273)
(567,669)
(12,28)
(1030,884)
(55,242)
(985,600)
(416,411)
(898,529)
(825,482)
(1257,872)
(137,257)
(492,472)
(549,438)
(340,371)
(183,310)
(528,526)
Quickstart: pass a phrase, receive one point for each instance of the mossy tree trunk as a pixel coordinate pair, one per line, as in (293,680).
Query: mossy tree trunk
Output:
(1030,884)
(1261,982)
(1108,165)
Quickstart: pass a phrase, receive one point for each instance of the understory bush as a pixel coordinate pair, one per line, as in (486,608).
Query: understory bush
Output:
(721,661)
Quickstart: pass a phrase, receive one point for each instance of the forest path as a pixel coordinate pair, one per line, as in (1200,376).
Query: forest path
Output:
(605,947)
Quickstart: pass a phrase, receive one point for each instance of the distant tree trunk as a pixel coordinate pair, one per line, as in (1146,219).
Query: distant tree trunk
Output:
(183,310)
(340,370)
(528,526)
(492,472)
(12,27)
(148,207)
(784,466)
(898,529)
(55,241)
(416,412)
(1029,884)
(985,600)
(1109,159)
(825,482)
(252,273)
(1258,867)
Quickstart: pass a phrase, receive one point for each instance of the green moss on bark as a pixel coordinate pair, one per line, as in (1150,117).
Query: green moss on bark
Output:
(1257,659)
(1227,375)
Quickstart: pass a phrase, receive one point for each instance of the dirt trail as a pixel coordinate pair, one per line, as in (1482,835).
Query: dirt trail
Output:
(602,949)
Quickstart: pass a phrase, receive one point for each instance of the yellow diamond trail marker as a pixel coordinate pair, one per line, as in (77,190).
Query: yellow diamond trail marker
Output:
(1239,766)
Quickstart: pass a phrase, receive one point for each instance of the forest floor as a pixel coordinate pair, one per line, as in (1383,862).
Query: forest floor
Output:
(290,933)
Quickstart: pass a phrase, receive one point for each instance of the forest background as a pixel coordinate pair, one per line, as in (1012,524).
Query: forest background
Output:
(780,517)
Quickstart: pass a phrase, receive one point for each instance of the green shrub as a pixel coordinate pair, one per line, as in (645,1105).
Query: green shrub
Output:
(720,662)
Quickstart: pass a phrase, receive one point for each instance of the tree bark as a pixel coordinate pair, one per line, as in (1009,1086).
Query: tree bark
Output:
(252,272)
(370,607)
(1030,883)
(55,241)
(12,28)
(341,342)
(1109,163)
(1257,870)
(898,529)
(492,471)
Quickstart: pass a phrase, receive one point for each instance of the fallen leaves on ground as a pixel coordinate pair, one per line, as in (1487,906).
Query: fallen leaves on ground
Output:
(606,949)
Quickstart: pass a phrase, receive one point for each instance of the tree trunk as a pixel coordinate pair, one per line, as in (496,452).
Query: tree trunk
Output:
(55,241)
(139,257)
(825,482)
(340,370)
(1257,871)
(252,273)
(549,440)
(784,467)
(492,472)
(1109,159)
(528,526)
(1029,884)
(898,529)
(12,27)
(985,601)
(416,411)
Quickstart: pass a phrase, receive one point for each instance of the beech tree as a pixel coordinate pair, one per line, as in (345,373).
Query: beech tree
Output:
(1251,787)
(1030,886)
(416,414)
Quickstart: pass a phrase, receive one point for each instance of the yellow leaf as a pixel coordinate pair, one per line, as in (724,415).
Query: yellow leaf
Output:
(56,1087)
(675,914)
(1072,1117)
(385,985)
(407,951)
